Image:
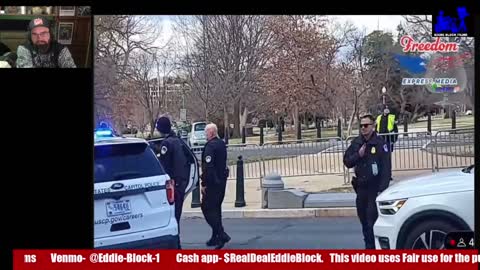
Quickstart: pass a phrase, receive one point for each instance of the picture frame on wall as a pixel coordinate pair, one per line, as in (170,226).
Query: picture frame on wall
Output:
(65,32)
(12,10)
(65,11)
(84,11)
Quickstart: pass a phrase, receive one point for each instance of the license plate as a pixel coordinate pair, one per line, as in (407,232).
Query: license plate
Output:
(118,208)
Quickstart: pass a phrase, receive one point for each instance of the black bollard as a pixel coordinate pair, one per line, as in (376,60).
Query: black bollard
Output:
(299,131)
(240,198)
(227,135)
(280,134)
(405,125)
(261,135)
(429,123)
(196,196)
(243,135)
(454,119)
(319,130)
(339,128)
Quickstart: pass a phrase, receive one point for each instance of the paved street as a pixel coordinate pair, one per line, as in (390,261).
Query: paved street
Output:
(289,233)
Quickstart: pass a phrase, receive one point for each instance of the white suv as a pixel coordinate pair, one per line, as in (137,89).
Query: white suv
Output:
(419,213)
(133,196)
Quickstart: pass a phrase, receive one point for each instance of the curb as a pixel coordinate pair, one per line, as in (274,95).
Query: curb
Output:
(280,213)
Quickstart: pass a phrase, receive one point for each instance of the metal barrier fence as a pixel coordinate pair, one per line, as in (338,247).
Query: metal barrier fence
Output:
(412,151)
(251,155)
(454,148)
(304,157)
(252,160)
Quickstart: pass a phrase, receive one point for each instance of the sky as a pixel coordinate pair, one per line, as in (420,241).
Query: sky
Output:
(387,23)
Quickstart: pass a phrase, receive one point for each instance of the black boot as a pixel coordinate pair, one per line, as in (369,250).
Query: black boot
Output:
(212,241)
(179,246)
(223,238)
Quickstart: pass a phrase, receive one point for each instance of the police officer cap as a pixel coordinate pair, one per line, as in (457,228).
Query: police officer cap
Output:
(163,125)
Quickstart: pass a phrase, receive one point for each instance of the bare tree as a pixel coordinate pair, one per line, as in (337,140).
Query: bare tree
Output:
(223,55)
(149,90)
(117,37)
(293,73)
(357,70)
(195,62)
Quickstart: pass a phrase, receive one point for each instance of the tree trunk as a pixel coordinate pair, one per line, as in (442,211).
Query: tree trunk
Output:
(352,117)
(206,112)
(152,125)
(415,114)
(243,119)
(447,111)
(236,120)
(225,121)
(296,121)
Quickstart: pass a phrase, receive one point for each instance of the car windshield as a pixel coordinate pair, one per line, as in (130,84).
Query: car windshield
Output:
(125,161)
(200,127)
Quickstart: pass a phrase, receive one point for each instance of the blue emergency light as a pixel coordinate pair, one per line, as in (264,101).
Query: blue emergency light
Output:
(104,133)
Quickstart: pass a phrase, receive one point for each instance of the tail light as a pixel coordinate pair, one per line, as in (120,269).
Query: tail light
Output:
(170,187)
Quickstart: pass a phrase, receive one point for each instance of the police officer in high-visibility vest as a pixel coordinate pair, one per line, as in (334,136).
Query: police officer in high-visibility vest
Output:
(386,123)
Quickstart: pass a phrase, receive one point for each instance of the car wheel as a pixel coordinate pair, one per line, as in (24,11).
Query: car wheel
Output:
(428,235)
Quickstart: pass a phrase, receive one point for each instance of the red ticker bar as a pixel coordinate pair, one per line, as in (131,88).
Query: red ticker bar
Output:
(241,259)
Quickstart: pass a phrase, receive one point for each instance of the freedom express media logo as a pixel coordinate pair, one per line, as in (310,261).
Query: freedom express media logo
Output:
(437,85)
(418,64)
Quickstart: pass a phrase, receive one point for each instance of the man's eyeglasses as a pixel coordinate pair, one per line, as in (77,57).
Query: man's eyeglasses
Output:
(43,34)
(365,125)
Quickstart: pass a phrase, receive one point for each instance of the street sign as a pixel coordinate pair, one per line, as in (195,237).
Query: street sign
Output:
(183,114)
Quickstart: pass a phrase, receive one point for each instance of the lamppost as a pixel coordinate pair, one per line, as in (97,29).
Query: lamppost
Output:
(384,90)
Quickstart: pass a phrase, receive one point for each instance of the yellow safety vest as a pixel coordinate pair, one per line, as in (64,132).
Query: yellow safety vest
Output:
(391,122)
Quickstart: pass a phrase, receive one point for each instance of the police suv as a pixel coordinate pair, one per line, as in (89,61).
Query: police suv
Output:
(133,196)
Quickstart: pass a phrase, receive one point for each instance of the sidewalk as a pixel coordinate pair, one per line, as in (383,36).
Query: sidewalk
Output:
(312,184)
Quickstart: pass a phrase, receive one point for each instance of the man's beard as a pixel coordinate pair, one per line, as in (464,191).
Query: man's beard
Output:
(42,48)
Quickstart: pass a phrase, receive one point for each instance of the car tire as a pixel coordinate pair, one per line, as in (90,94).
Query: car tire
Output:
(419,237)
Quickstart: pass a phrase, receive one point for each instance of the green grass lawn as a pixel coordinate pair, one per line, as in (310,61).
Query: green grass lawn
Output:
(462,121)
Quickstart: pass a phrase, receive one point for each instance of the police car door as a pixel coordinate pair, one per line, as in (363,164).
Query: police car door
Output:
(194,164)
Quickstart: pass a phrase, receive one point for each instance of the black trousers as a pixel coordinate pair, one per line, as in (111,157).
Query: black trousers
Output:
(179,198)
(367,213)
(212,207)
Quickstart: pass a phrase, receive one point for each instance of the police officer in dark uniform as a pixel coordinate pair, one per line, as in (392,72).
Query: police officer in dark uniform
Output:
(214,182)
(175,162)
(368,153)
